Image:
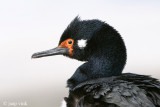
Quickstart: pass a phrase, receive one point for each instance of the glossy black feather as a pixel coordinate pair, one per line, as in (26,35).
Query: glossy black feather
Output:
(126,90)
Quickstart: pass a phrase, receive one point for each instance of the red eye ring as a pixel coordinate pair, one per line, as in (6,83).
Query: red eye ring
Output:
(68,43)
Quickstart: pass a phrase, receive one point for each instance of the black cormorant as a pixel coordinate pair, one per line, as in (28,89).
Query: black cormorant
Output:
(99,82)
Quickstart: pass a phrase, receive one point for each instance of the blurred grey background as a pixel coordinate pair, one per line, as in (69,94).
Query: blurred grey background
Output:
(28,26)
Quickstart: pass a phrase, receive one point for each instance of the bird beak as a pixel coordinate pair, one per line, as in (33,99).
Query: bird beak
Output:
(55,51)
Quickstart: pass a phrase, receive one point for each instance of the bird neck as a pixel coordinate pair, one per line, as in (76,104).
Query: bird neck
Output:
(102,66)
(96,67)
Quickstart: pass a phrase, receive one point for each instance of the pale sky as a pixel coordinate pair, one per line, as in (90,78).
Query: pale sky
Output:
(28,26)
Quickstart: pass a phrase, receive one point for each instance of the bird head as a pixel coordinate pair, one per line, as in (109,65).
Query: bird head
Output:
(75,40)
(90,39)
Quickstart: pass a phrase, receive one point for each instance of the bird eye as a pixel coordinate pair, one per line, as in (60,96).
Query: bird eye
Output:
(69,42)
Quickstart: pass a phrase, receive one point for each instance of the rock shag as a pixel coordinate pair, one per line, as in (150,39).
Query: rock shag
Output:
(99,82)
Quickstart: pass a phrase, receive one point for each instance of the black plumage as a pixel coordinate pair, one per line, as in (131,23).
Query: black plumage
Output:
(99,82)
(126,90)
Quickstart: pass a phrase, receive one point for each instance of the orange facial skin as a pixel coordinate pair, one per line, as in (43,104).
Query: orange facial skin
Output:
(68,43)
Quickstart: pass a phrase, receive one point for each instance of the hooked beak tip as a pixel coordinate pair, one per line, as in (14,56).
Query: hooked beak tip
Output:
(33,56)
